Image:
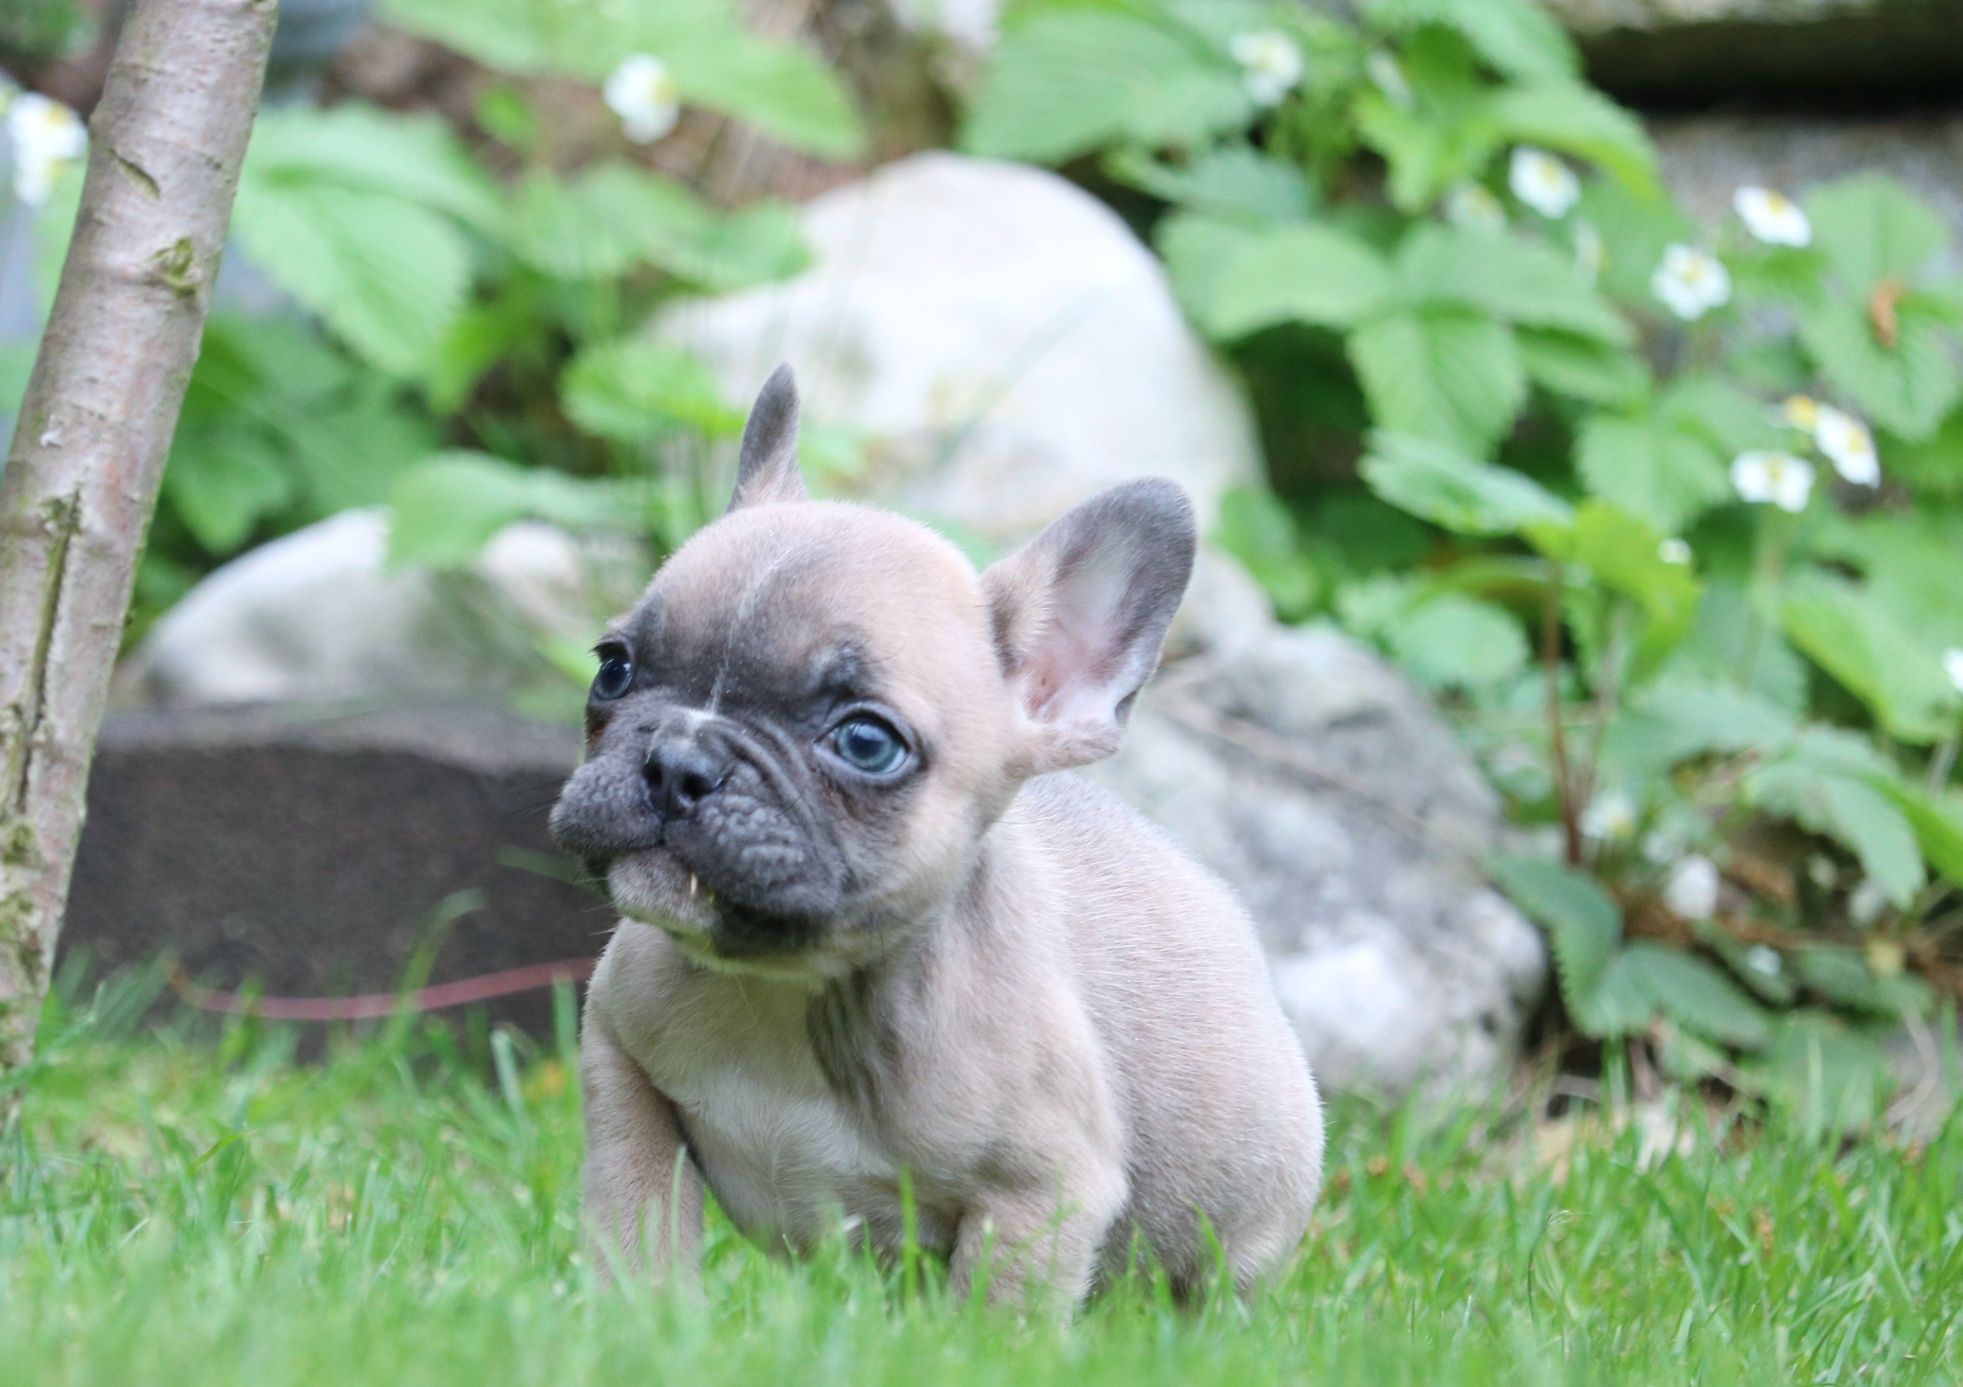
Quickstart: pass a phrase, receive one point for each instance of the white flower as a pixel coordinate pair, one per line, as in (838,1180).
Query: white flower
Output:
(1609,816)
(1692,890)
(1389,79)
(1848,446)
(1772,217)
(1673,551)
(1591,255)
(1271,64)
(1763,958)
(45,136)
(1691,282)
(1953,667)
(1762,475)
(1470,206)
(1543,182)
(1866,902)
(642,92)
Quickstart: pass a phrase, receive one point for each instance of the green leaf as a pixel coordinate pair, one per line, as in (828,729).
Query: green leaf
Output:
(1858,641)
(1577,120)
(1938,824)
(1256,528)
(1515,37)
(1626,555)
(1677,719)
(351,454)
(1454,492)
(1907,387)
(716,62)
(1583,927)
(1446,135)
(1835,1077)
(1582,368)
(1844,978)
(1933,466)
(1731,642)
(636,390)
(1233,180)
(616,217)
(1442,374)
(415,158)
(1650,468)
(1720,413)
(1508,277)
(1307,274)
(774,87)
(1069,81)
(1455,641)
(1198,250)
(385,275)
(1694,994)
(1634,227)
(1872,228)
(446,508)
(224,485)
(1820,792)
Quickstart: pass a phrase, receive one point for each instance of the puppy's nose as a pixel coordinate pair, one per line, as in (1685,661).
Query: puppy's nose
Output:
(681,773)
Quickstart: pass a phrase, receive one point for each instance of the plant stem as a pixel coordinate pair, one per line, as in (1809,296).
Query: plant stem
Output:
(1557,737)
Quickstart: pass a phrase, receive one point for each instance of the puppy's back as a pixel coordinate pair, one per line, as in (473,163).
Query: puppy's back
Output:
(1221,1113)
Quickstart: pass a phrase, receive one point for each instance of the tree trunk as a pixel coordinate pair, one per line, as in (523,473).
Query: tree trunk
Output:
(167,140)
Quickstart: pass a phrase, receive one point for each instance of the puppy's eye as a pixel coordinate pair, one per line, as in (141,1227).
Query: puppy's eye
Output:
(869,746)
(616,674)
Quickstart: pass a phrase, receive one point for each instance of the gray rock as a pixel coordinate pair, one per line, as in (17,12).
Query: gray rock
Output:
(1705,158)
(1674,49)
(1325,788)
(1005,341)
(318,856)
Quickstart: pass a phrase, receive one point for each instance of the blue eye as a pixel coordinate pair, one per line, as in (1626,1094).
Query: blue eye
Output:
(869,746)
(616,674)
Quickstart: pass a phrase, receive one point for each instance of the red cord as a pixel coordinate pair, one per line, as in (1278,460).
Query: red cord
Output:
(364,1006)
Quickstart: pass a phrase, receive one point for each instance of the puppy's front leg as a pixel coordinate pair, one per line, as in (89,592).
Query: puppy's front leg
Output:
(643,1195)
(1038,1245)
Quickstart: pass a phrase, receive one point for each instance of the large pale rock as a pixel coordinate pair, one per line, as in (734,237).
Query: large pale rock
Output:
(1005,341)
(1328,791)
(318,616)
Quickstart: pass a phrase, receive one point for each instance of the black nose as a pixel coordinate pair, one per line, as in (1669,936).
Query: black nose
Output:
(681,773)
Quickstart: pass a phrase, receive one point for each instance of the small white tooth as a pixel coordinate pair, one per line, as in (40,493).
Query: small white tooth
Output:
(691,885)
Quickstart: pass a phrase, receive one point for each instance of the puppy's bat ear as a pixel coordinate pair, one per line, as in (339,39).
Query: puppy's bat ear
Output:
(767,467)
(1080,613)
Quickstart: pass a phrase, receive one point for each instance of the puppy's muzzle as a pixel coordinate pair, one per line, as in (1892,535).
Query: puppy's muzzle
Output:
(681,773)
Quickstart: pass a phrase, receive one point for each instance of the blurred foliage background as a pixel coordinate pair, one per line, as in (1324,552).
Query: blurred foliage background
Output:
(1668,516)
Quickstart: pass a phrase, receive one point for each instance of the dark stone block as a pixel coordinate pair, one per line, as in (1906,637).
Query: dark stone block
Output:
(318,855)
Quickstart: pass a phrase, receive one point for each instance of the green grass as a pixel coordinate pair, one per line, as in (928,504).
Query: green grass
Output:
(407,1212)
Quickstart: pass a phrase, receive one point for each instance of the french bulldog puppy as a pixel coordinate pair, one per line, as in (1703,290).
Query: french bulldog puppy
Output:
(872,936)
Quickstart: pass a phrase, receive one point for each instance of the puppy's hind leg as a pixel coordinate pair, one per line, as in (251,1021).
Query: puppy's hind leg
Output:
(643,1196)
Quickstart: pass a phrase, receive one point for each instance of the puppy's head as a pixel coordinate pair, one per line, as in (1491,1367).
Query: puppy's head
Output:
(798,738)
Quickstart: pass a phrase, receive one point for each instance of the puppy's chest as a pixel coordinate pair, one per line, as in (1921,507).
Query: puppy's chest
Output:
(788,1157)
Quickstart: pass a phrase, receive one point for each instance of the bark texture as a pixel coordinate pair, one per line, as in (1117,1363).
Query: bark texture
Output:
(167,140)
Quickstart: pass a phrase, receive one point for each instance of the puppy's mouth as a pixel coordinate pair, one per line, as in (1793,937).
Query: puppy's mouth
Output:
(655,887)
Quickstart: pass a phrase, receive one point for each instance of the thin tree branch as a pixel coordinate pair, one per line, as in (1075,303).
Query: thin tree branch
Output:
(167,141)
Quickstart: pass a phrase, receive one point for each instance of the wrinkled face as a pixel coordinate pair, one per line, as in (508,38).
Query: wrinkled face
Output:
(794,742)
